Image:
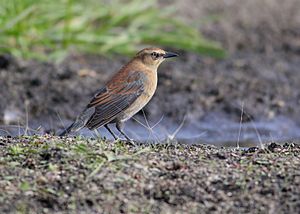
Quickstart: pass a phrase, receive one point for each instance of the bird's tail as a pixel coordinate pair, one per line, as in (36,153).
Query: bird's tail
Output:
(67,130)
(80,121)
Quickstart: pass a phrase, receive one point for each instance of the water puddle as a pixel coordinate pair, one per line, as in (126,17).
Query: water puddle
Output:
(221,132)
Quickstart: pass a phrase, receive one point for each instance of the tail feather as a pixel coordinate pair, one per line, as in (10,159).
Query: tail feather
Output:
(80,121)
(66,131)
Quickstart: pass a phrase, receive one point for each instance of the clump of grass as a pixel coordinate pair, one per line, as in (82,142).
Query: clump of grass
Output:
(46,29)
(16,150)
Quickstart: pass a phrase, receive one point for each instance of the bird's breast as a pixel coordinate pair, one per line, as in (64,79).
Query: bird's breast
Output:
(150,84)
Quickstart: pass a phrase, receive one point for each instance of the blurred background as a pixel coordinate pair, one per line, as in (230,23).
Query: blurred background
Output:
(237,80)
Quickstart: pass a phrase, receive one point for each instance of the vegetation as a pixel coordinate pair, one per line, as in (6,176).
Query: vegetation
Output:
(50,29)
(46,174)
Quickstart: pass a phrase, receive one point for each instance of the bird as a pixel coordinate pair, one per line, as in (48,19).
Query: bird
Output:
(125,94)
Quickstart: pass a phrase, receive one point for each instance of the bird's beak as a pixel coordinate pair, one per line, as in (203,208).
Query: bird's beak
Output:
(170,54)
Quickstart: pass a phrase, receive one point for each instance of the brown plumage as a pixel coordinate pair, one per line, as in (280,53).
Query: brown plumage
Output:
(124,95)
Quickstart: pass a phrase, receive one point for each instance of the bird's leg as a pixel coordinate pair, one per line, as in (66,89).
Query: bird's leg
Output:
(110,131)
(120,127)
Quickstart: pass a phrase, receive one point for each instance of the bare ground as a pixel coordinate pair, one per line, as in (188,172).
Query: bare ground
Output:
(193,86)
(47,174)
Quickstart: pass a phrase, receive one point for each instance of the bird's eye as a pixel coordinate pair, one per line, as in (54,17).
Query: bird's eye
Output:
(154,55)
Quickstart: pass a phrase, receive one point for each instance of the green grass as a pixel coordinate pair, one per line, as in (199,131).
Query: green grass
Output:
(49,29)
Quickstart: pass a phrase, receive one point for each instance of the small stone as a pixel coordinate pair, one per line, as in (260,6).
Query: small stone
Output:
(87,73)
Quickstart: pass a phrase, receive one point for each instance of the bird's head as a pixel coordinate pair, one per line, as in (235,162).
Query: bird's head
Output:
(153,57)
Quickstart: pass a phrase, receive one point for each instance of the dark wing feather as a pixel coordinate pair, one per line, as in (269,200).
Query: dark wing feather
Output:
(112,100)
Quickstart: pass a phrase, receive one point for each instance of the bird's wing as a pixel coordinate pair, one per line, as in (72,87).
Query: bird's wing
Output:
(117,96)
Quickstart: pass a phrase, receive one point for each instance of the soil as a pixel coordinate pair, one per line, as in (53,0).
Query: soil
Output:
(47,174)
(191,86)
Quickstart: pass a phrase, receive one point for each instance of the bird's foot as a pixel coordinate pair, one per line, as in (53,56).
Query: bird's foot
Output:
(126,141)
(131,142)
(117,140)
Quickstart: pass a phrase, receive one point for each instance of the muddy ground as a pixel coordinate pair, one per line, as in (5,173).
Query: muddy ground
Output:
(47,174)
(192,86)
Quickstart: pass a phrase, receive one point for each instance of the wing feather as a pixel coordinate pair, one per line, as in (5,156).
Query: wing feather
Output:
(113,99)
